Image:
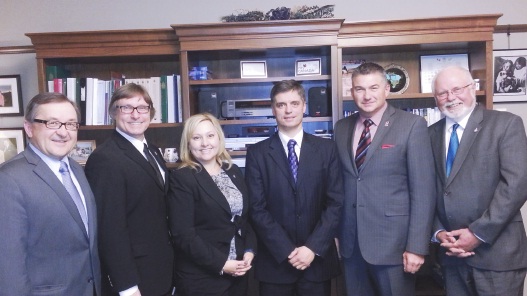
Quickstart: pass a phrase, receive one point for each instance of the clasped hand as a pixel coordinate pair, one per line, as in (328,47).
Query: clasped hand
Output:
(239,267)
(301,257)
(460,243)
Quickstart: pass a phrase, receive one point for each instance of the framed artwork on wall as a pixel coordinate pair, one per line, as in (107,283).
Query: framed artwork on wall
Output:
(509,69)
(431,64)
(10,96)
(11,143)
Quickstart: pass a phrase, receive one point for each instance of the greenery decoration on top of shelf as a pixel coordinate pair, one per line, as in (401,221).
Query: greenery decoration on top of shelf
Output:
(282,13)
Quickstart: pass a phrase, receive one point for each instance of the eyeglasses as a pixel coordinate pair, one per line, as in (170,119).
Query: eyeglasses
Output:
(71,126)
(129,109)
(455,91)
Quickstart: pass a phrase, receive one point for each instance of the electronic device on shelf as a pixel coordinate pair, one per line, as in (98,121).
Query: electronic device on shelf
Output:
(246,108)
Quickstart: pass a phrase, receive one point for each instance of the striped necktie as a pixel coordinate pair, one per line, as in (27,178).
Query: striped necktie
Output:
(364,143)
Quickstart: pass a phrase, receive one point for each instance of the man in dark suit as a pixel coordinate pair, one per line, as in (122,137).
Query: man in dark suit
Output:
(49,226)
(127,176)
(389,190)
(295,191)
(481,164)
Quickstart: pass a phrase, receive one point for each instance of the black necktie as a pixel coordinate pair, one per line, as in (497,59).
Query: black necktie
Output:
(153,163)
(364,143)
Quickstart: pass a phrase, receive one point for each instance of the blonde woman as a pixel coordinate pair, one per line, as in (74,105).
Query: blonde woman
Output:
(208,212)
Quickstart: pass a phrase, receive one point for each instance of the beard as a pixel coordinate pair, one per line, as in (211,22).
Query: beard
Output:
(459,112)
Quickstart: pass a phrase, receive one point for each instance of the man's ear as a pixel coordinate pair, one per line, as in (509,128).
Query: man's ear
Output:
(28,128)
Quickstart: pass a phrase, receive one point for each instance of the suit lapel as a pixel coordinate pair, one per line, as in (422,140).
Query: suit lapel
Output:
(437,138)
(207,184)
(349,140)
(384,126)
(469,135)
(131,152)
(89,200)
(43,171)
(277,153)
(239,181)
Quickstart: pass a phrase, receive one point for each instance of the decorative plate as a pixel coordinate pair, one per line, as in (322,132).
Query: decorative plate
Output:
(398,78)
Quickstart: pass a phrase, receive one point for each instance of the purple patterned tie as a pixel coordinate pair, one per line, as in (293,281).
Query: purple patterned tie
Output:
(293,159)
(364,143)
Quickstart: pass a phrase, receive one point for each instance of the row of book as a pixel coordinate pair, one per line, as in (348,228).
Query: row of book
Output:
(432,115)
(93,95)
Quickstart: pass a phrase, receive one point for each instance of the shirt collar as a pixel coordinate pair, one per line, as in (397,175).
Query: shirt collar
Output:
(298,138)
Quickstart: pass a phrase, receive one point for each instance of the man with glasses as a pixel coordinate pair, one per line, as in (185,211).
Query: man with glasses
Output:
(47,215)
(481,167)
(127,175)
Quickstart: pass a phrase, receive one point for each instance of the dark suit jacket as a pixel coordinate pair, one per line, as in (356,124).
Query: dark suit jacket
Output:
(134,240)
(44,245)
(200,221)
(389,204)
(286,215)
(486,188)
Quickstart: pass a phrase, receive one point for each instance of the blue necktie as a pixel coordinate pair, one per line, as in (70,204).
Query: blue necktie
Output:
(452,149)
(364,143)
(293,159)
(74,193)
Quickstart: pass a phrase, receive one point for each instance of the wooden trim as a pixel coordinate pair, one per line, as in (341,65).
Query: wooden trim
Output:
(419,31)
(105,43)
(520,28)
(17,49)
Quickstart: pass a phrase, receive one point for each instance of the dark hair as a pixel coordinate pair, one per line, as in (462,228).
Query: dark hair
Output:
(47,98)
(369,68)
(521,61)
(128,91)
(287,86)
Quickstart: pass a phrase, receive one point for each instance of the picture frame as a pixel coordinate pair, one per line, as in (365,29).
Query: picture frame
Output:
(11,143)
(398,78)
(253,69)
(430,65)
(82,150)
(509,74)
(11,95)
(308,67)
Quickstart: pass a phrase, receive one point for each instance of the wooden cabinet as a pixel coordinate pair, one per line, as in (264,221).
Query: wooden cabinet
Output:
(402,42)
(134,53)
(279,44)
(221,47)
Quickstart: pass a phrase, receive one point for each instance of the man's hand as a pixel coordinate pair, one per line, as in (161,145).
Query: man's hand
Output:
(412,262)
(301,257)
(460,243)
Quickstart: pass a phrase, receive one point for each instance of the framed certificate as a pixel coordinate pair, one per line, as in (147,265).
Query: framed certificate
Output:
(253,69)
(306,67)
(431,64)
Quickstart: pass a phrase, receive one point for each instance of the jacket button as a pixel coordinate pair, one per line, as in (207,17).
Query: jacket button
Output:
(354,206)
(90,280)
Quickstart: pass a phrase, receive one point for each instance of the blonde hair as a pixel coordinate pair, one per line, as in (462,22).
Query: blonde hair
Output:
(187,159)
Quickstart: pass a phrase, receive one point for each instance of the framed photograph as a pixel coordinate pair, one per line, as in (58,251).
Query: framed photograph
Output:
(431,64)
(10,96)
(82,150)
(347,71)
(509,75)
(306,67)
(253,69)
(11,143)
